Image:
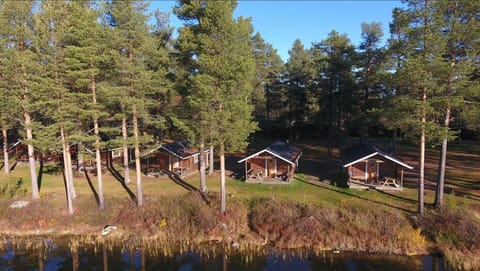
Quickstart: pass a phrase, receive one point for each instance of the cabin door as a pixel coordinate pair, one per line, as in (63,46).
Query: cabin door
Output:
(372,170)
(271,167)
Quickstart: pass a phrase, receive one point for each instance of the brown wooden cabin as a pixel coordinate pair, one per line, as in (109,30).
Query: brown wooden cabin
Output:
(115,155)
(19,150)
(277,162)
(368,165)
(178,157)
(107,156)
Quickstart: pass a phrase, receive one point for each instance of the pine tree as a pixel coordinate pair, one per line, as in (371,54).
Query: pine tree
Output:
(85,59)
(269,69)
(220,68)
(59,104)
(20,63)
(8,105)
(415,28)
(299,80)
(459,25)
(370,74)
(129,23)
(192,116)
(334,58)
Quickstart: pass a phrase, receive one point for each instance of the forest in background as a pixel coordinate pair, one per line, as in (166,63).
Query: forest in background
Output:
(102,75)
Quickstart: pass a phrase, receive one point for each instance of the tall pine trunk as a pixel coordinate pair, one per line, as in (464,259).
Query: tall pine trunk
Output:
(31,156)
(70,170)
(138,169)
(394,143)
(211,167)
(442,162)
(98,155)
(223,203)
(126,168)
(330,123)
(80,159)
(98,161)
(421,180)
(203,177)
(68,182)
(443,154)
(6,166)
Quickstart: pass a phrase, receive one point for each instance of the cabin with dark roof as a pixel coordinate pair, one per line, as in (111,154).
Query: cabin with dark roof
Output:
(277,162)
(368,166)
(178,157)
(19,151)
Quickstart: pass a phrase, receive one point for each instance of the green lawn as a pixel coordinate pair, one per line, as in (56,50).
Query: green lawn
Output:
(462,183)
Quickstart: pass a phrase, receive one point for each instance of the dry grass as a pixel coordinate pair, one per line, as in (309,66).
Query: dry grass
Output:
(288,224)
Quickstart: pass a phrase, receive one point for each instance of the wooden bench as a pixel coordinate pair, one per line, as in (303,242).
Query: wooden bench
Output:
(389,181)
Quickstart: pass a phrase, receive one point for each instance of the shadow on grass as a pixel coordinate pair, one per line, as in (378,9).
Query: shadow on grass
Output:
(467,195)
(40,173)
(358,197)
(13,166)
(90,184)
(120,179)
(178,180)
(65,185)
(54,169)
(406,200)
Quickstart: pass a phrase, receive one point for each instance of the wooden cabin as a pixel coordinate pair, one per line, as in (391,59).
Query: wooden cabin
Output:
(19,150)
(367,165)
(178,157)
(277,162)
(108,157)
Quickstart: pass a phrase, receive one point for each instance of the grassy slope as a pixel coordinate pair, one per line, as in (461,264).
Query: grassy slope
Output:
(462,179)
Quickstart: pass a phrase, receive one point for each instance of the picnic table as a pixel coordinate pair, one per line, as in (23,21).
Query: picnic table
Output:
(389,181)
(257,174)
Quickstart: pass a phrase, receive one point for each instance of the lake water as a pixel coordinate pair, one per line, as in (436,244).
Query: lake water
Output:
(47,255)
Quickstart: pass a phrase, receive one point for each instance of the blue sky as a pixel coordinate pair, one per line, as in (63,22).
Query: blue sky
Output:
(282,22)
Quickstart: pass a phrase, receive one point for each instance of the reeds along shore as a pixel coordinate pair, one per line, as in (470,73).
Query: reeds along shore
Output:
(171,223)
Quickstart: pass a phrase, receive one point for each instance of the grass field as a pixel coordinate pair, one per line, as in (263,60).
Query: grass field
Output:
(311,186)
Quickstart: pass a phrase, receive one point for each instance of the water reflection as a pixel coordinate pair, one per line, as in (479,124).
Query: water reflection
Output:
(45,255)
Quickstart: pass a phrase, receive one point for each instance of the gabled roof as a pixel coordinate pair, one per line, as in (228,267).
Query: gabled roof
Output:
(13,145)
(364,150)
(281,150)
(150,150)
(179,148)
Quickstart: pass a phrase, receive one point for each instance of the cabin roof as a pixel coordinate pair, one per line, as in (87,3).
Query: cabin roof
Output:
(361,151)
(13,145)
(180,148)
(281,150)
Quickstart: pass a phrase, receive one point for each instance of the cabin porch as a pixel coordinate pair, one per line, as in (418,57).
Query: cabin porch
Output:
(268,169)
(375,174)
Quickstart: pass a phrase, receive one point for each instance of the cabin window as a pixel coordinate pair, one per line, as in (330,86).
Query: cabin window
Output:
(195,159)
(116,153)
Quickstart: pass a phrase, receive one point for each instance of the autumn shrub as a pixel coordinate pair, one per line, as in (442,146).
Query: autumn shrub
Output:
(13,188)
(454,228)
(462,259)
(457,233)
(289,224)
(41,214)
